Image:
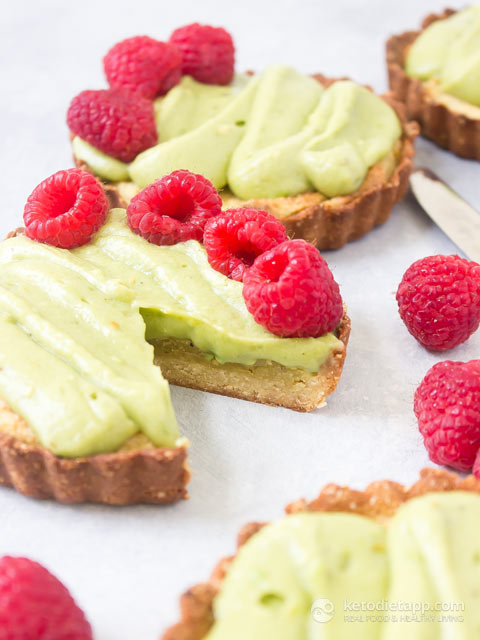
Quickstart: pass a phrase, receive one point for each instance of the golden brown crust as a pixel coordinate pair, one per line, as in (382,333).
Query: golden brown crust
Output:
(265,382)
(154,476)
(379,500)
(330,224)
(448,128)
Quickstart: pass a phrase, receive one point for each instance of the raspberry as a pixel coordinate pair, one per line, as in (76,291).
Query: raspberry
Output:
(143,65)
(35,605)
(291,291)
(235,238)
(439,301)
(174,208)
(447,406)
(476,466)
(208,53)
(66,209)
(117,122)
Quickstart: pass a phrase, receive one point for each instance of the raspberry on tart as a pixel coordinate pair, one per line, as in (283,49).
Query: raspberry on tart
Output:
(35,605)
(174,208)
(210,123)
(115,121)
(208,53)
(447,406)
(439,301)
(236,237)
(143,65)
(291,291)
(66,209)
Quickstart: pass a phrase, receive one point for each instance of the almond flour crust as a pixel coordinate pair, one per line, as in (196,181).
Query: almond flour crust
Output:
(331,223)
(380,500)
(449,129)
(265,382)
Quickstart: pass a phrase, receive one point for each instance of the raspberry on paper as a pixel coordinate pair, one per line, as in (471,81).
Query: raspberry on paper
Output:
(35,605)
(447,406)
(439,301)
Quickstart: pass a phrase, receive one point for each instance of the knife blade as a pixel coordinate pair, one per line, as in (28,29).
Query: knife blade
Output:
(455,217)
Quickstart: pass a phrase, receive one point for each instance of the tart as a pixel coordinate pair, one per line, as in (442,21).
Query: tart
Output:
(382,503)
(450,121)
(85,413)
(330,167)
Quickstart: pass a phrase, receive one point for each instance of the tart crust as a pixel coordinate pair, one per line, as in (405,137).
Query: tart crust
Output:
(379,501)
(439,121)
(331,223)
(265,382)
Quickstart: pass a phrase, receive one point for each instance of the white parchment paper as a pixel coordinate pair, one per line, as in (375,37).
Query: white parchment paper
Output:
(128,566)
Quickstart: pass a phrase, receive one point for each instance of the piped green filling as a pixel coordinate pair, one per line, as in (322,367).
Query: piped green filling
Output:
(448,51)
(277,134)
(335,576)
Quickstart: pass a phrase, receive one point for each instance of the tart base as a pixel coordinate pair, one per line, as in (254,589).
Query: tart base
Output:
(332,223)
(379,501)
(448,128)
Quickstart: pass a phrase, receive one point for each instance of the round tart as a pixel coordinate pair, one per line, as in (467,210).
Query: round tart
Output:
(85,415)
(450,122)
(327,221)
(380,502)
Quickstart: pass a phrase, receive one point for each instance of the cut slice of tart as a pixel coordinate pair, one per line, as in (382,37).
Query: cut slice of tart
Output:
(433,71)
(331,166)
(85,414)
(388,546)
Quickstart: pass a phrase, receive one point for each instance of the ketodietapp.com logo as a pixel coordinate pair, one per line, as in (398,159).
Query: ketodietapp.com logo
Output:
(323,610)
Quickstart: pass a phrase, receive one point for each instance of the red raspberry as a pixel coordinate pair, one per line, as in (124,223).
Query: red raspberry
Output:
(439,301)
(447,406)
(117,122)
(291,291)
(66,209)
(35,605)
(208,53)
(144,65)
(476,466)
(235,238)
(174,208)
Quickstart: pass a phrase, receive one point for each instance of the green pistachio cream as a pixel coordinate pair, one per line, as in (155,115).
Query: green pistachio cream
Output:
(339,576)
(276,134)
(74,362)
(448,51)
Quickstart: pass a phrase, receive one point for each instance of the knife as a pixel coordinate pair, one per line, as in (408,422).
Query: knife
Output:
(455,217)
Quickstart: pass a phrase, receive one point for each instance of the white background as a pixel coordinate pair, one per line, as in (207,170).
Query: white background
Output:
(127,566)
